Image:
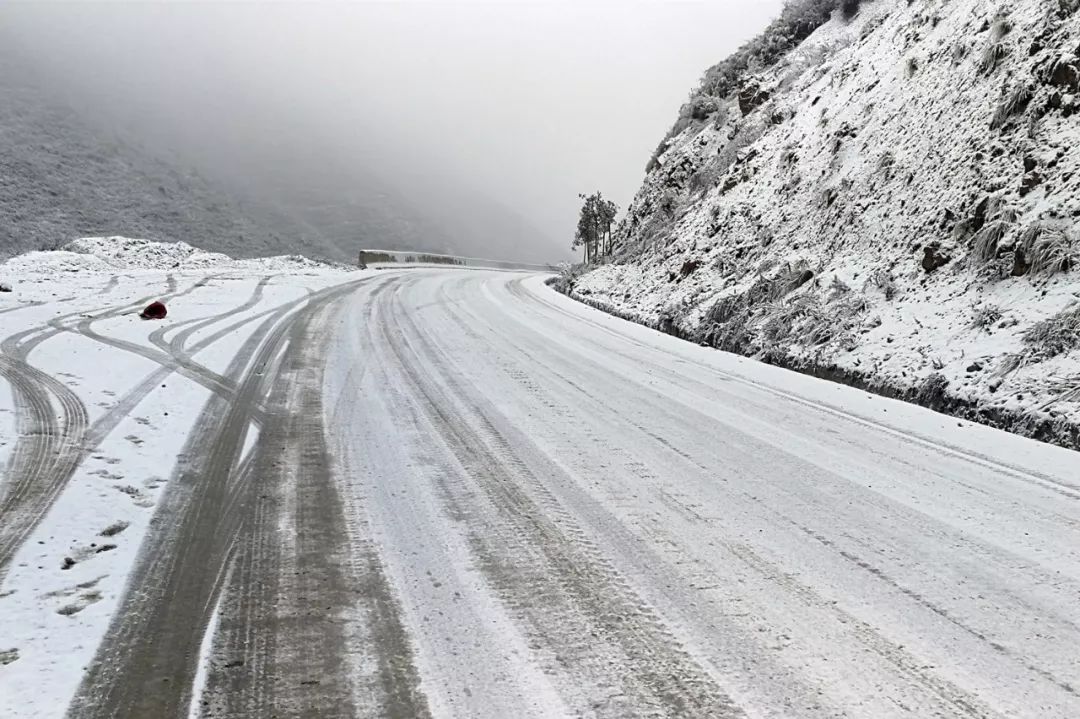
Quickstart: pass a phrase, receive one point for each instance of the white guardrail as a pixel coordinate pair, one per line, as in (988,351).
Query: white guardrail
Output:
(391,258)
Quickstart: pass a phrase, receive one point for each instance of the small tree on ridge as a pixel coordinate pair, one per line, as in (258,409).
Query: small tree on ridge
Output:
(594,226)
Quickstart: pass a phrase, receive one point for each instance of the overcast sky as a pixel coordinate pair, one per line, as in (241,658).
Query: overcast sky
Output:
(529,103)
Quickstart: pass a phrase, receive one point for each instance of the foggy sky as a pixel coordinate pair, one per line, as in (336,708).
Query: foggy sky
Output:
(527,103)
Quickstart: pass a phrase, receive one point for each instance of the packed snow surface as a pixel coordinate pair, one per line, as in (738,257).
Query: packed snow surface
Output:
(62,586)
(456,493)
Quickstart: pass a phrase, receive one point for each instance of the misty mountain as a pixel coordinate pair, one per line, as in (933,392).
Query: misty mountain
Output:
(324,125)
(70,168)
(887,193)
(63,178)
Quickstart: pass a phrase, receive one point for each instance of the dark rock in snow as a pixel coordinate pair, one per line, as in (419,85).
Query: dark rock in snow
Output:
(1030,182)
(751,97)
(689,267)
(1020,263)
(730,182)
(804,277)
(934,257)
(979,218)
(1066,75)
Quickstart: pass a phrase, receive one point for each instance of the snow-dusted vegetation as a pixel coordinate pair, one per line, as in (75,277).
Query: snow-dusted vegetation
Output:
(886,193)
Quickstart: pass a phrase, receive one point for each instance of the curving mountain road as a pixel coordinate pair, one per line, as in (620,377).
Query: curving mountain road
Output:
(455,493)
(583,517)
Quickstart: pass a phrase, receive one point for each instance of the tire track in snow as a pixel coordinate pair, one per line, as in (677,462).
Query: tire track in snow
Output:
(21,344)
(184,329)
(282,643)
(906,664)
(127,403)
(260,614)
(148,658)
(46,452)
(49,449)
(617,651)
(148,661)
(937,691)
(37,303)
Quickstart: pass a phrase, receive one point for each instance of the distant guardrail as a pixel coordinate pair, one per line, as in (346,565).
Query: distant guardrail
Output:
(367,258)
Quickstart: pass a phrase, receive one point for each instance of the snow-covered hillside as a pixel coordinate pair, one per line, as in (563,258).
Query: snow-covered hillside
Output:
(894,203)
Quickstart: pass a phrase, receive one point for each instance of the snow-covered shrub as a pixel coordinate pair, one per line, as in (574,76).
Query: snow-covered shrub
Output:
(654,159)
(838,288)
(746,134)
(1054,336)
(1014,103)
(806,320)
(960,50)
(984,246)
(703,180)
(568,274)
(983,317)
(992,56)
(1062,389)
(726,309)
(820,326)
(798,19)
(792,276)
(883,281)
(780,319)
(932,390)
(849,8)
(1047,249)
(701,107)
(1001,26)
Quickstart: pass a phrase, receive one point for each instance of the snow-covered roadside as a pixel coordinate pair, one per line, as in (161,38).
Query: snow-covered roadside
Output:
(903,417)
(1033,404)
(60,590)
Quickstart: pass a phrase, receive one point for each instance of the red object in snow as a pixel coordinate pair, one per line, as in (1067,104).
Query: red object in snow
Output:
(154,311)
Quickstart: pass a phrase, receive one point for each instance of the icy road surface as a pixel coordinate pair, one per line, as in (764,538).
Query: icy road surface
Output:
(455,493)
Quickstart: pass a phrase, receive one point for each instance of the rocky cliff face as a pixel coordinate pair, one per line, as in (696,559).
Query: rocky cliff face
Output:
(896,200)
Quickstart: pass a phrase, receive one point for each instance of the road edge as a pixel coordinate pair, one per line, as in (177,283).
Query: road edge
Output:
(1058,432)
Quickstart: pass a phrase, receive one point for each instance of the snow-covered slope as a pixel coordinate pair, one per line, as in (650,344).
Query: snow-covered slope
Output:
(895,202)
(92,256)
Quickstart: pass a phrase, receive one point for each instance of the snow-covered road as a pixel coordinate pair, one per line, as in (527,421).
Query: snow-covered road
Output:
(455,493)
